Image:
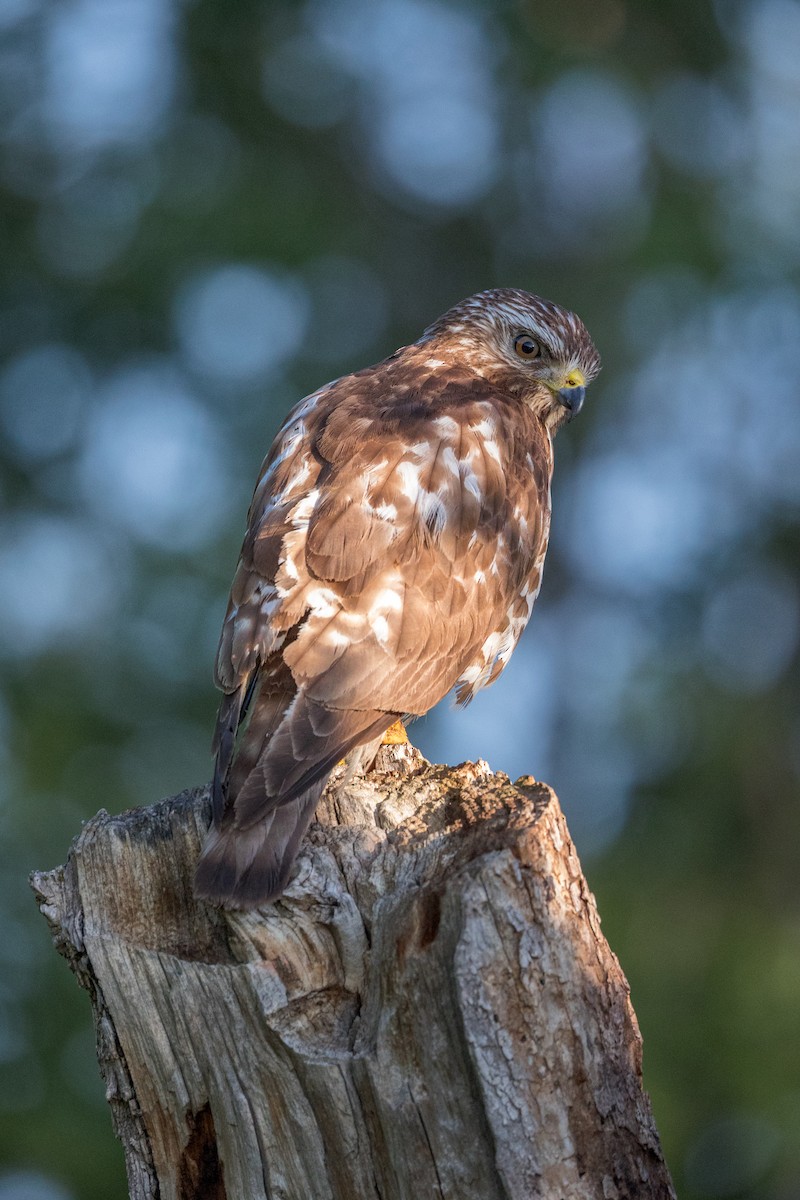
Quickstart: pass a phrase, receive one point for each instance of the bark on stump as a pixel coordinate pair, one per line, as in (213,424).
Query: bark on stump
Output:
(430,1010)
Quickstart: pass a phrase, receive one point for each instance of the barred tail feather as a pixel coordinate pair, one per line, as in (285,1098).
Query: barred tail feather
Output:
(245,868)
(267,784)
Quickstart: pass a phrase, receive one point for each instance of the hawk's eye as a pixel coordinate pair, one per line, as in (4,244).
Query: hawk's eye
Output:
(526,347)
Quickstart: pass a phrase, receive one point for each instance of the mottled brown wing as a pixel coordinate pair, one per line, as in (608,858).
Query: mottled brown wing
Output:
(250,634)
(407,554)
(390,551)
(425,537)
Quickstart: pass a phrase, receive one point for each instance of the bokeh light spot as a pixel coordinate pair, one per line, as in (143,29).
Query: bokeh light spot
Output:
(638,523)
(237,323)
(591,149)
(154,460)
(110,70)
(428,107)
(43,396)
(57,579)
(697,126)
(31,1185)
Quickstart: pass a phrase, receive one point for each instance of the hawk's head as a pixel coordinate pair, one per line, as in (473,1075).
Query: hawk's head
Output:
(527,346)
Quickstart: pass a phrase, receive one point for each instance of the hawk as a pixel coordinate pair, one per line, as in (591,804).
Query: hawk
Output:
(394,550)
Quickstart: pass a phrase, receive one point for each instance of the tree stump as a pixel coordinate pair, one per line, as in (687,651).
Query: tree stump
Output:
(430,1010)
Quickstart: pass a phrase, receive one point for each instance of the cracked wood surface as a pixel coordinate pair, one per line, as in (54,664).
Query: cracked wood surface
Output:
(430,1010)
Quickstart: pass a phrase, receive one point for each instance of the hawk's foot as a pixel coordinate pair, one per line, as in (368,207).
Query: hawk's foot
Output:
(395,735)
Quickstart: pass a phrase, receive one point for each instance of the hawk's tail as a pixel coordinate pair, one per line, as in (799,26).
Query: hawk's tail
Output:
(245,868)
(266,789)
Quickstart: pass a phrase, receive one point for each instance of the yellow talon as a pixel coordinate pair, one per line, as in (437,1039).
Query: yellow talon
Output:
(395,735)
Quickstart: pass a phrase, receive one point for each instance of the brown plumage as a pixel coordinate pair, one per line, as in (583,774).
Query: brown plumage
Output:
(394,550)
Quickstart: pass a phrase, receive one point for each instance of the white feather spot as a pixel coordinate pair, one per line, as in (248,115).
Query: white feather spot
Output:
(268,604)
(472,485)
(380,627)
(323,602)
(433,510)
(491,449)
(290,568)
(305,406)
(408,473)
(386,600)
(301,513)
(472,673)
(447,426)
(493,645)
(449,460)
(299,478)
(294,434)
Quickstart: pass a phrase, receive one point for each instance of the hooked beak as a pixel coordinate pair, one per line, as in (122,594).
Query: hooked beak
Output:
(572,399)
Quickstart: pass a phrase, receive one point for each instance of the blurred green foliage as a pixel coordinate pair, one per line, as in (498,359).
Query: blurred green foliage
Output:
(210,209)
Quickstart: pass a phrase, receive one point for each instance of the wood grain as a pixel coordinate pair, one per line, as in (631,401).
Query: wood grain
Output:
(430,1010)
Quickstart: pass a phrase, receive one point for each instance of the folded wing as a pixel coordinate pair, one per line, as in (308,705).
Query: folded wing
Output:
(391,553)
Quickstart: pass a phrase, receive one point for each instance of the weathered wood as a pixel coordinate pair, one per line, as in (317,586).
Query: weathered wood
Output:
(431,1009)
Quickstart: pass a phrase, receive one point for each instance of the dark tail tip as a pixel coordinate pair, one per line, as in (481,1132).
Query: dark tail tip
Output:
(245,868)
(232,873)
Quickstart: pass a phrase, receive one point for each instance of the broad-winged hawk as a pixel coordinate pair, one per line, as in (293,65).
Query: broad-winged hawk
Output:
(394,551)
